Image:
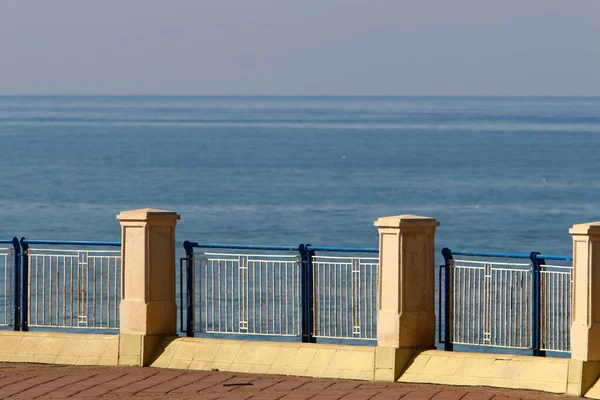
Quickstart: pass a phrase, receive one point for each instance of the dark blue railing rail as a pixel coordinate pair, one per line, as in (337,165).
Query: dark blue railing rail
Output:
(507,255)
(72,242)
(21,271)
(343,249)
(306,252)
(537,260)
(190,245)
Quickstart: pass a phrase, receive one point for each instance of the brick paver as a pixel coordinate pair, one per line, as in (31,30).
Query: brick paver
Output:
(178,382)
(40,381)
(479,396)
(450,395)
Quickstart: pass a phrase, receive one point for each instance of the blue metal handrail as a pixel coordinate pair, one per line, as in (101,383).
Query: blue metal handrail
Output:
(72,242)
(344,249)
(553,257)
(510,255)
(238,246)
(189,244)
(488,254)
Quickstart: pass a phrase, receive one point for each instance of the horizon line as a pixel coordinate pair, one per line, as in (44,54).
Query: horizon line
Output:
(298,95)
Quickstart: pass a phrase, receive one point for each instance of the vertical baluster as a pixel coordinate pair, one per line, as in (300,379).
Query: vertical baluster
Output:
(6,289)
(273,306)
(471,314)
(260,298)
(328,286)
(43,290)
(279,293)
(108,297)
(223,295)
(117,291)
(205,300)
(287,294)
(318,298)
(240,293)
(491,310)
(252,277)
(94,292)
(354,311)
(456,304)
(101,322)
(246,289)
(212,298)
(368,301)
(297,296)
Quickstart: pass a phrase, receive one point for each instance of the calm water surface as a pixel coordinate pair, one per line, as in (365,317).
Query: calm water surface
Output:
(505,174)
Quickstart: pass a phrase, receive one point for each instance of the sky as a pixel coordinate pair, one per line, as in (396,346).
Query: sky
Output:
(301,47)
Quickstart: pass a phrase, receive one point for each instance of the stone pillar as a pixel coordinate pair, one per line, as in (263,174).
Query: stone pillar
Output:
(148,310)
(406,290)
(584,367)
(585,326)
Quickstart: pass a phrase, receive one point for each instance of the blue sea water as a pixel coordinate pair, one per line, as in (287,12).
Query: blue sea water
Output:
(503,174)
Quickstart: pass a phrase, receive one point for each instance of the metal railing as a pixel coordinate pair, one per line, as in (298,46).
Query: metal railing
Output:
(278,290)
(9,253)
(70,284)
(245,293)
(345,294)
(556,289)
(508,300)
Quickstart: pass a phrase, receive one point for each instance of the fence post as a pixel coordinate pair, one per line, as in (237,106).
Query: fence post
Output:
(24,285)
(448,295)
(148,310)
(536,287)
(584,367)
(189,290)
(17,283)
(406,291)
(306,274)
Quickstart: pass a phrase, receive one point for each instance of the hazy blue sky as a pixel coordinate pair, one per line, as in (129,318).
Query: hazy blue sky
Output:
(370,47)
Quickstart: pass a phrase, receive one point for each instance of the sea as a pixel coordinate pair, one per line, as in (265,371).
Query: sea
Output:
(499,173)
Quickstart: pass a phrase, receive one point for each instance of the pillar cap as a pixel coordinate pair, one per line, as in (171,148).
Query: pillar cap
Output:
(405,220)
(589,228)
(143,214)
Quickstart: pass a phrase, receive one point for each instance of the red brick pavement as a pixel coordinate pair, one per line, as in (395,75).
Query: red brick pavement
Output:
(40,381)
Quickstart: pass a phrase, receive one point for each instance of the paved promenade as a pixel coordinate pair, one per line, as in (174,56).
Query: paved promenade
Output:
(40,381)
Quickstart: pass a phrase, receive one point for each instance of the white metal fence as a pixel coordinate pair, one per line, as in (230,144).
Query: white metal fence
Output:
(256,294)
(7,297)
(345,293)
(491,303)
(74,288)
(556,283)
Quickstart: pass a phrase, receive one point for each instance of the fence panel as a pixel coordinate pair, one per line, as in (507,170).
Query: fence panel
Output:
(556,282)
(345,293)
(73,288)
(491,303)
(501,300)
(279,290)
(243,293)
(509,305)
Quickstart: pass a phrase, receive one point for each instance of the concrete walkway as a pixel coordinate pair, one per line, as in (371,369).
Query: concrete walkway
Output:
(41,381)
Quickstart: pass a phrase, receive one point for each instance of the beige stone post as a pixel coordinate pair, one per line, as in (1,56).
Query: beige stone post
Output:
(584,367)
(148,310)
(406,310)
